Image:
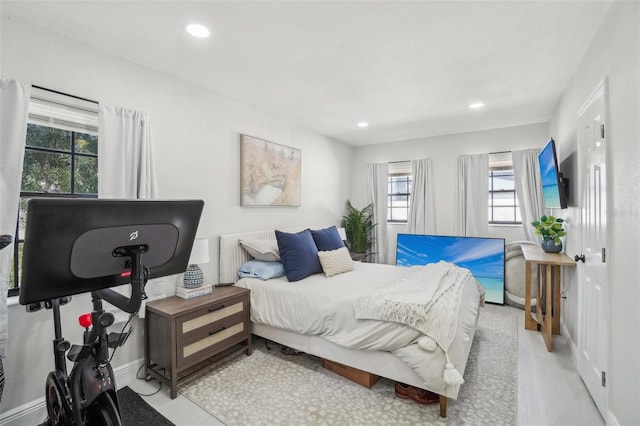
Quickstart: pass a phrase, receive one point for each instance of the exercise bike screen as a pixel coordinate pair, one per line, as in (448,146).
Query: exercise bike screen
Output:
(69,243)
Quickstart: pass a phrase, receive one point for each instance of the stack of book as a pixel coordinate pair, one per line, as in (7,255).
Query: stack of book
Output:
(189,293)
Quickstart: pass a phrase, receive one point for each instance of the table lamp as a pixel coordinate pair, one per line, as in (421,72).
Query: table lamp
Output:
(199,254)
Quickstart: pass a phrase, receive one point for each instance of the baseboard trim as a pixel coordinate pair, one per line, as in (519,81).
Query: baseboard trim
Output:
(35,412)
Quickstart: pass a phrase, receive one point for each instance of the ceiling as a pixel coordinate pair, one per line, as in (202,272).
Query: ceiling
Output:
(408,68)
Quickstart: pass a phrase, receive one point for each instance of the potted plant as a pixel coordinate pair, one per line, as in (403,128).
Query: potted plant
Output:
(358,226)
(551,229)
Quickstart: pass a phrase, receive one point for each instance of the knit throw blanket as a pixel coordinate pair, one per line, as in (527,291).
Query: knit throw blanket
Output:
(427,299)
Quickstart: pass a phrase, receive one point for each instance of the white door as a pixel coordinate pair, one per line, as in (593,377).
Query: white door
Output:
(592,275)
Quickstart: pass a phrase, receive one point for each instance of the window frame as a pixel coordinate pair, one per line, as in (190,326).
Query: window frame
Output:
(401,169)
(502,166)
(74,131)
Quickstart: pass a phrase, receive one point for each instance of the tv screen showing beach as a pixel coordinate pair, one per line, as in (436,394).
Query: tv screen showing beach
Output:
(484,257)
(549,176)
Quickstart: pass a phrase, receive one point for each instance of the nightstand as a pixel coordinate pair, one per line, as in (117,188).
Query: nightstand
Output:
(182,336)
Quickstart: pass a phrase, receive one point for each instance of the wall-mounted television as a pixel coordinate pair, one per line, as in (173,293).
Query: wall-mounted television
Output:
(554,185)
(484,257)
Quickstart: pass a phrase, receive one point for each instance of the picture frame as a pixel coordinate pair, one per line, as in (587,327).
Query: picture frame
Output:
(271,173)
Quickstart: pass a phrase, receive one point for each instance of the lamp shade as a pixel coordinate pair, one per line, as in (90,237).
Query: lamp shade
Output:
(199,252)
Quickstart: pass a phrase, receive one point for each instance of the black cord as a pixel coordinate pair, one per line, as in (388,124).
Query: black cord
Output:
(138,372)
(151,394)
(145,379)
(121,334)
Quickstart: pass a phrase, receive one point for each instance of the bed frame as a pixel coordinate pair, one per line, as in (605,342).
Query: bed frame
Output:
(381,363)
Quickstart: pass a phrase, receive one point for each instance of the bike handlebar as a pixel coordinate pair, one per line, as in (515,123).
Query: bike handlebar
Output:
(128,304)
(5,240)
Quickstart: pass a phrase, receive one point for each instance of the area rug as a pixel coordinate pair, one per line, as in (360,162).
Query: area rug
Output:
(135,411)
(269,388)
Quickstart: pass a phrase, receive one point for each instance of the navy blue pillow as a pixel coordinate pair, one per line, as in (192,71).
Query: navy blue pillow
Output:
(327,239)
(298,254)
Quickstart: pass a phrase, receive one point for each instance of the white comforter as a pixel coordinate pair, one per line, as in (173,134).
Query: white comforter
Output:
(324,306)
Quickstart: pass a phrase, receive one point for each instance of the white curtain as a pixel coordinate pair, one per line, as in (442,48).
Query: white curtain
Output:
(14,108)
(472,186)
(125,160)
(528,188)
(126,170)
(377,193)
(422,205)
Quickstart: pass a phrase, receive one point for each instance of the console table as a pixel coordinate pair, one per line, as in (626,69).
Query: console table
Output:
(547,322)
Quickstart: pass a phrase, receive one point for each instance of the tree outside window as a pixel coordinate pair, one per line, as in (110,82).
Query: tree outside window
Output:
(57,163)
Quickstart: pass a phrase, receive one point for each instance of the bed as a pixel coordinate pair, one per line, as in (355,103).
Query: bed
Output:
(393,354)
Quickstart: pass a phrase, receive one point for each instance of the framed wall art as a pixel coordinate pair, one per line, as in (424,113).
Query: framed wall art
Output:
(270,173)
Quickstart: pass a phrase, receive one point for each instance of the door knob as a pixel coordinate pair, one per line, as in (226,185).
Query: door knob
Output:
(579,258)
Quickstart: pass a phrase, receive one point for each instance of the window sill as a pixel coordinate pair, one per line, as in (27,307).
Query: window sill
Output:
(507,225)
(12,300)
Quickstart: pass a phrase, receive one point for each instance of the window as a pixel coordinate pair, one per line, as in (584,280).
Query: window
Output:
(503,202)
(60,159)
(399,191)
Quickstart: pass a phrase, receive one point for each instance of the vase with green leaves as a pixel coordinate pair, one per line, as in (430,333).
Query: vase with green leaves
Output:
(358,225)
(551,229)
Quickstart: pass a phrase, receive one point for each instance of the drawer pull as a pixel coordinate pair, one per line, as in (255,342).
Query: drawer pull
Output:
(217,331)
(216,309)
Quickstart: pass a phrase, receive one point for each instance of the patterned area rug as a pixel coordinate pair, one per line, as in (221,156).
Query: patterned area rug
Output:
(268,388)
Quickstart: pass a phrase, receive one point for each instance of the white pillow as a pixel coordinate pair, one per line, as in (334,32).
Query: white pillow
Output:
(335,261)
(266,250)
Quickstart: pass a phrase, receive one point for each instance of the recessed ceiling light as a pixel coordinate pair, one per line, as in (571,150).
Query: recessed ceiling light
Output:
(362,124)
(198,31)
(476,105)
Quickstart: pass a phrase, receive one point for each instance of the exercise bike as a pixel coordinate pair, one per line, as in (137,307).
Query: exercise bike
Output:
(75,246)
(88,395)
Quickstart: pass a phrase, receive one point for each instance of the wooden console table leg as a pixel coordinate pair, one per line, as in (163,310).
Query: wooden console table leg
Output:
(443,406)
(556,299)
(548,315)
(529,323)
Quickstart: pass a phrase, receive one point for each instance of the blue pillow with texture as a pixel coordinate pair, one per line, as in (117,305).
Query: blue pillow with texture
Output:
(327,239)
(261,269)
(299,254)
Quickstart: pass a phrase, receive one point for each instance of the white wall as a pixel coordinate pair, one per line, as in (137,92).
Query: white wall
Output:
(196,147)
(444,151)
(614,54)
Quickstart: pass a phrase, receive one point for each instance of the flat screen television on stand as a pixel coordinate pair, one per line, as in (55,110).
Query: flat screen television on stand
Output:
(73,246)
(484,257)
(555,186)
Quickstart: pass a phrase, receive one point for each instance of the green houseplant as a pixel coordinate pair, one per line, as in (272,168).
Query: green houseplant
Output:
(358,226)
(551,229)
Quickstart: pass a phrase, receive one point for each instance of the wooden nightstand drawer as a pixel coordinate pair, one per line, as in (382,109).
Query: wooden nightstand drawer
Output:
(184,335)
(205,318)
(213,341)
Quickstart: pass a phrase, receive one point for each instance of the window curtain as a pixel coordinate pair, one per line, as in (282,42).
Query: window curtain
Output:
(126,170)
(14,108)
(472,189)
(377,193)
(528,188)
(422,205)
(125,160)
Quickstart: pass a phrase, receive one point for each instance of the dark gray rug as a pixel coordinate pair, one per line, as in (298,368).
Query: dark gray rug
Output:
(268,388)
(135,411)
